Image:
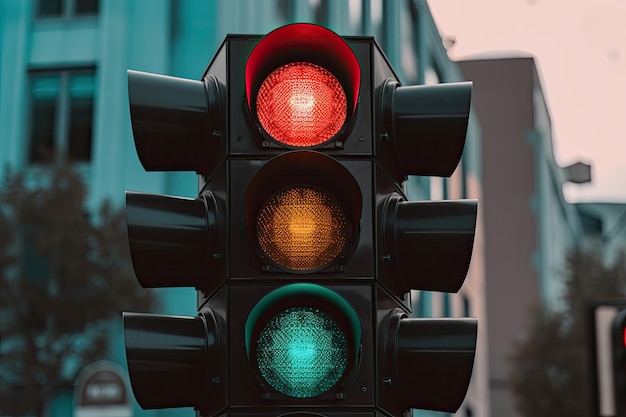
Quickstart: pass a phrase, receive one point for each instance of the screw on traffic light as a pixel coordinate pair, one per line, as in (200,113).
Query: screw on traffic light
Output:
(301,243)
(618,333)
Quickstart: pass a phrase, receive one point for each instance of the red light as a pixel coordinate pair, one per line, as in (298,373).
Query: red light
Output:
(625,337)
(301,104)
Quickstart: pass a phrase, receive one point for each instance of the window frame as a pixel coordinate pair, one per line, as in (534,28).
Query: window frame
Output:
(62,115)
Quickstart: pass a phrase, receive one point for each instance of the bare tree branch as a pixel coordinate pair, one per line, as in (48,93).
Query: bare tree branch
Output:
(64,275)
(550,369)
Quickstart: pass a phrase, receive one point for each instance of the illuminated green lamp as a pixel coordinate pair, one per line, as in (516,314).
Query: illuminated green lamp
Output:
(302,339)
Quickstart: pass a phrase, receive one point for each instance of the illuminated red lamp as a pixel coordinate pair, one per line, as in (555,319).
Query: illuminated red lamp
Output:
(301,104)
(302,85)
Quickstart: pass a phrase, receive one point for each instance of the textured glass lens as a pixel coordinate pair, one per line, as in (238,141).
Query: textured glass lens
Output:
(302,228)
(302,352)
(301,104)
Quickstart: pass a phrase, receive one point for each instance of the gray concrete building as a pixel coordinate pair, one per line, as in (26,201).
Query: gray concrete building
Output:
(529,226)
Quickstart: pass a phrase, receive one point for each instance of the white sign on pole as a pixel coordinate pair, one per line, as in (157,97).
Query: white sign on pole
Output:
(101,391)
(603,313)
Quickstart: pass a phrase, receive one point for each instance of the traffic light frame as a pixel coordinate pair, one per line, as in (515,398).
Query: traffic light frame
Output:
(301,232)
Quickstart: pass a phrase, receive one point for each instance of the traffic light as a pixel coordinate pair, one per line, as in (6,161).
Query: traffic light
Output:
(177,242)
(618,333)
(302,244)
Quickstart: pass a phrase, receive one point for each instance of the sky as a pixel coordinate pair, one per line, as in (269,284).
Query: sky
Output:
(580,52)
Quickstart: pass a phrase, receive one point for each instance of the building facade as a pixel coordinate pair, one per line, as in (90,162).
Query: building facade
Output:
(63,99)
(530,226)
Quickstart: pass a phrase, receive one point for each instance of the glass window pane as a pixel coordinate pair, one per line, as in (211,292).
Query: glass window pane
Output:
(81,127)
(49,8)
(82,85)
(81,117)
(84,7)
(45,86)
(44,93)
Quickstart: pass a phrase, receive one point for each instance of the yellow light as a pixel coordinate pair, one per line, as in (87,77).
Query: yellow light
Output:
(302,229)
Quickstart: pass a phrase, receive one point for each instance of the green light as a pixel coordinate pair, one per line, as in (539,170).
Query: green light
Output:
(302,352)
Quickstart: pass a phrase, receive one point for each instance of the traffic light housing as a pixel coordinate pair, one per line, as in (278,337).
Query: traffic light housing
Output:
(301,243)
(618,333)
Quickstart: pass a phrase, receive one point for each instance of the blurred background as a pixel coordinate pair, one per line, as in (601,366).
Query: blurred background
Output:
(547,125)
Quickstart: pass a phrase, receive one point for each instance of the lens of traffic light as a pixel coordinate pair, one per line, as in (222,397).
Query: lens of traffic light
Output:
(302,228)
(302,352)
(302,340)
(301,104)
(302,213)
